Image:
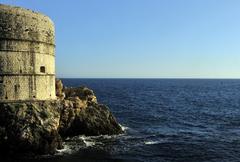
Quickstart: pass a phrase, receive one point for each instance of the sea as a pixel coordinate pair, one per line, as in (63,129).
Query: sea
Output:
(165,120)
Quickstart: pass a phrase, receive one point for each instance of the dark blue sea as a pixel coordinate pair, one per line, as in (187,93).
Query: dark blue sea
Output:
(166,120)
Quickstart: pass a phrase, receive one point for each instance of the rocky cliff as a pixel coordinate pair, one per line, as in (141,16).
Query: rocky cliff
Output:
(39,127)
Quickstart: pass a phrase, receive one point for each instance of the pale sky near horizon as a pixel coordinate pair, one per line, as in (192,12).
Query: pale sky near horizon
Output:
(144,38)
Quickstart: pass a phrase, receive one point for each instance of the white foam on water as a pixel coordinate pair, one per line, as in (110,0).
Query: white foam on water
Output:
(124,128)
(66,150)
(87,141)
(151,142)
(73,144)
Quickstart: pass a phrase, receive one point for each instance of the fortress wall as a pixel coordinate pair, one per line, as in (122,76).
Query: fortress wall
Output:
(26,46)
(27,55)
(46,61)
(27,87)
(46,87)
(15,62)
(26,63)
(21,24)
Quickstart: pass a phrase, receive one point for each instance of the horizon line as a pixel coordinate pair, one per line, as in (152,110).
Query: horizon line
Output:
(144,78)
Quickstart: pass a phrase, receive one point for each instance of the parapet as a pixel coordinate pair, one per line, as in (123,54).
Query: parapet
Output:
(21,24)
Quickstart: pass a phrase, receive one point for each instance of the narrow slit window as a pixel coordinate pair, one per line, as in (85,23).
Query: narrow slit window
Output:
(42,69)
(16,88)
(1,80)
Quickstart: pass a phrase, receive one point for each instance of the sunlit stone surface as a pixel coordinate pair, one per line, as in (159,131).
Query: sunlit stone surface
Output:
(27,61)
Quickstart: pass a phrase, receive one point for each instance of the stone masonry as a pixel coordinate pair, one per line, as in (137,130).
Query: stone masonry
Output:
(27,55)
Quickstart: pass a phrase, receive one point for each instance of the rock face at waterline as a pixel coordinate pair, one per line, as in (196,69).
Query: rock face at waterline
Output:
(36,114)
(30,127)
(40,126)
(81,114)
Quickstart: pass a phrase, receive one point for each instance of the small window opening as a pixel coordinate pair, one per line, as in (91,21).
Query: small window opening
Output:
(1,80)
(16,88)
(20,71)
(34,96)
(42,69)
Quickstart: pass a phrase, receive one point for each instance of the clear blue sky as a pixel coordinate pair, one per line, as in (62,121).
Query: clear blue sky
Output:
(144,38)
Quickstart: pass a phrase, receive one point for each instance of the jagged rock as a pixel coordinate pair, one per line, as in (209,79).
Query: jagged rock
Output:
(82,92)
(34,126)
(59,89)
(39,126)
(81,114)
(30,127)
(95,119)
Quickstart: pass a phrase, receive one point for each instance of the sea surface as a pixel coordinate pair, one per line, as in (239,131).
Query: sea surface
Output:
(178,120)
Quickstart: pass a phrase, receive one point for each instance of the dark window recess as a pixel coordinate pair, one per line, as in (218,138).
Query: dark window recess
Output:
(1,80)
(42,69)
(34,96)
(16,88)
(20,70)
(1,90)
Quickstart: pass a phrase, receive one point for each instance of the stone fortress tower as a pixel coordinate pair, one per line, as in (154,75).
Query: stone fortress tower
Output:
(27,59)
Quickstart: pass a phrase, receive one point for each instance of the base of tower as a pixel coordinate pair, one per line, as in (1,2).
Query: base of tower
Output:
(40,127)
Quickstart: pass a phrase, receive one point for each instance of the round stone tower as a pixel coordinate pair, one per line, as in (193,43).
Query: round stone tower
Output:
(27,59)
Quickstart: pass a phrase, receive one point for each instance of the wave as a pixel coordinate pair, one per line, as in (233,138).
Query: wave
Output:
(151,142)
(66,150)
(124,128)
(86,141)
(74,144)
